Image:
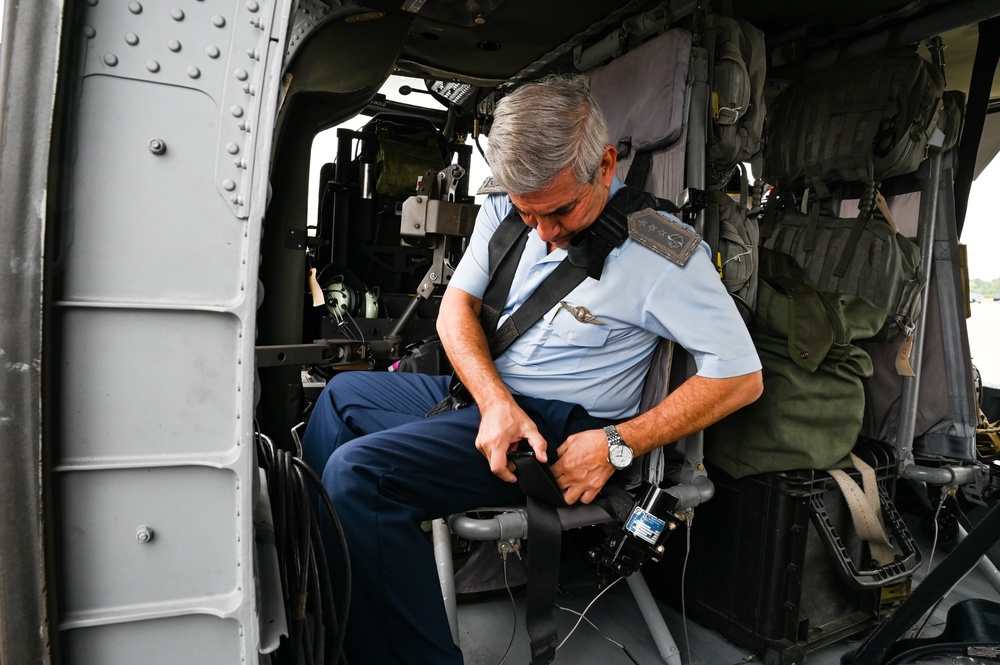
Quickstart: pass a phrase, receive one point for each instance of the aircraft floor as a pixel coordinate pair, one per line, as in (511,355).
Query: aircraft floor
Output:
(485,625)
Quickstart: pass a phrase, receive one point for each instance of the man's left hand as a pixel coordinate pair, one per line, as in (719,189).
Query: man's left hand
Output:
(583,466)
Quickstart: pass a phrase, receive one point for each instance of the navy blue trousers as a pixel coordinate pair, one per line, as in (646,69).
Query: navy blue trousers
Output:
(387,469)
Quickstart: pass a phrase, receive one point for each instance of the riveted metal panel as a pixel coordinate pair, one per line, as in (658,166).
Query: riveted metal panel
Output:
(212,46)
(165,232)
(154,312)
(149,540)
(188,639)
(167,390)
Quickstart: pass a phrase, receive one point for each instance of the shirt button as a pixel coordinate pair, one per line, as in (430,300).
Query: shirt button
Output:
(571,335)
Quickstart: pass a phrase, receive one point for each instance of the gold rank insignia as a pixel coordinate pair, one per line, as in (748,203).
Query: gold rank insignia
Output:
(665,236)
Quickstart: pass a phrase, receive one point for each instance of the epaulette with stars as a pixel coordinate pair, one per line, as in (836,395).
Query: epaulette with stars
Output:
(665,236)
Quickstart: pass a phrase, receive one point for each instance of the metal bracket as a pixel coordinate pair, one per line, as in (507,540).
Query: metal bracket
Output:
(327,352)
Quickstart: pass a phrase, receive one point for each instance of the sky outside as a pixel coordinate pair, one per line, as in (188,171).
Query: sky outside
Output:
(981,233)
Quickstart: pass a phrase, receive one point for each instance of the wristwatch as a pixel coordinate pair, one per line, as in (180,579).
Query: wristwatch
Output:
(619,453)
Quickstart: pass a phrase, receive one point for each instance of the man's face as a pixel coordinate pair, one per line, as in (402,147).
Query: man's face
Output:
(564,208)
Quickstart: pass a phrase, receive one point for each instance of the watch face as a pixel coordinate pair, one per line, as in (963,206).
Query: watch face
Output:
(620,456)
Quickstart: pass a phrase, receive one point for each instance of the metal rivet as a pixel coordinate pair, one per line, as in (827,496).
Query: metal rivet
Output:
(157,146)
(131,39)
(153,66)
(135,7)
(144,534)
(89,32)
(241,74)
(218,21)
(177,14)
(252,6)
(213,52)
(228,185)
(174,45)
(236,111)
(232,148)
(194,72)
(111,60)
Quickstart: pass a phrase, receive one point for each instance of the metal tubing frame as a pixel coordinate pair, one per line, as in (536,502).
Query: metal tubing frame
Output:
(911,384)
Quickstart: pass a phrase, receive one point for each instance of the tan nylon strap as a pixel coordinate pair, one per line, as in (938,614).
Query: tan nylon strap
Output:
(866,510)
(870,484)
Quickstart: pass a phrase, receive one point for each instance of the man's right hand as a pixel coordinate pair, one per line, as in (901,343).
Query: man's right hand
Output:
(502,428)
(504,424)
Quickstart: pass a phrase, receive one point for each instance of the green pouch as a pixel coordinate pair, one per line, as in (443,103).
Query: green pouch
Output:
(810,412)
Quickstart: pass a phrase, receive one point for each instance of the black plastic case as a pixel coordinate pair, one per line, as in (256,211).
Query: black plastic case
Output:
(777,567)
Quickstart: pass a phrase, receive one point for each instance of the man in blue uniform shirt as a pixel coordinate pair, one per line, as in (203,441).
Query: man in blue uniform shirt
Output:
(558,386)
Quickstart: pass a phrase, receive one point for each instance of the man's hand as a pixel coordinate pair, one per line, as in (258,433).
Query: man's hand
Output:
(502,427)
(504,424)
(583,466)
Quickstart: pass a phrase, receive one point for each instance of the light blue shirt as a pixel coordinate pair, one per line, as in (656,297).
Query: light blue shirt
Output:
(640,298)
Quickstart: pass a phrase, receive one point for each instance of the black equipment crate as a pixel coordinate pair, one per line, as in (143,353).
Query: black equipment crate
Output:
(773,561)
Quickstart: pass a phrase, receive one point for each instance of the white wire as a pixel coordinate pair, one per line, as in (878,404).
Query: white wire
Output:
(687,554)
(593,625)
(514,607)
(585,610)
(737,257)
(937,512)
(915,632)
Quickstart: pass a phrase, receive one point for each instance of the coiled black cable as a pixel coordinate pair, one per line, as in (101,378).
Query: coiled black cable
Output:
(316,625)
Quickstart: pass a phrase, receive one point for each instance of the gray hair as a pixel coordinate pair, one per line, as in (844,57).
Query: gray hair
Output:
(543,127)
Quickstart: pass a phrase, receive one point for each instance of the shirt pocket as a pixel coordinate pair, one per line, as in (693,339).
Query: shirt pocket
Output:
(565,342)
(573,333)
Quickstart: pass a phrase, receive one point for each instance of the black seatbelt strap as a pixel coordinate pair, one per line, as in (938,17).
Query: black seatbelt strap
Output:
(545,538)
(638,171)
(585,258)
(563,279)
(505,249)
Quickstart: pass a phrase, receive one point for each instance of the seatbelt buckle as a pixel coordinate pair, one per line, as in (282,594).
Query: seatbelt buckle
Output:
(534,478)
(543,652)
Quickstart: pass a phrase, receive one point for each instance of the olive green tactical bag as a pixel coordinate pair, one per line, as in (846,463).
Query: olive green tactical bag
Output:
(863,256)
(810,413)
(861,123)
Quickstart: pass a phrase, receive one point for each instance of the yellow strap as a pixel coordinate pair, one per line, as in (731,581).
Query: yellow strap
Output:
(883,207)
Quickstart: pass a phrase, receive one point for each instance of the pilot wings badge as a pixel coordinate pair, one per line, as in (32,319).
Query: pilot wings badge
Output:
(579,312)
